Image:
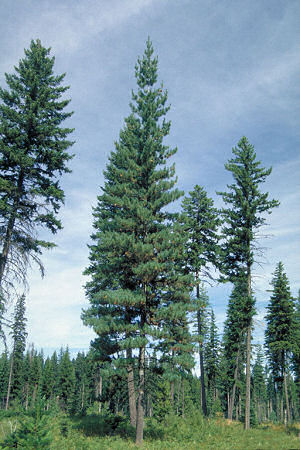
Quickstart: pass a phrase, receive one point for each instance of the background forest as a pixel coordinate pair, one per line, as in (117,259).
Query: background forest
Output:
(159,354)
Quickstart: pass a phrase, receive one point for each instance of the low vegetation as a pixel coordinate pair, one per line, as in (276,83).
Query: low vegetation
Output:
(59,432)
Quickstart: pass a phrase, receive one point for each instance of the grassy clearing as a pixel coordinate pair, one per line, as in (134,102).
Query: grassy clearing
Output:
(191,433)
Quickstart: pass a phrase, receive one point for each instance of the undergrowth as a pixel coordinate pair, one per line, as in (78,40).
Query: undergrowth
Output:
(108,431)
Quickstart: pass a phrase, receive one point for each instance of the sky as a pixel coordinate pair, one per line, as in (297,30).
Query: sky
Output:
(231,69)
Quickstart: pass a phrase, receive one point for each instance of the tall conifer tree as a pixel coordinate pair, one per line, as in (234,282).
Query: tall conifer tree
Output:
(281,331)
(245,214)
(19,335)
(212,357)
(235,327)
(200,223)
(33,154)
(135,288)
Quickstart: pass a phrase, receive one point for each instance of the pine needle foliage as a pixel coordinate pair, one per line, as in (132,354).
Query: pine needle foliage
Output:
(281,325)
(244,216)
(136,287)
(33,154)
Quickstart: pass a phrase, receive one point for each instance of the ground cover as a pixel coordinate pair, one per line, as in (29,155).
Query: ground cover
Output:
(94,432)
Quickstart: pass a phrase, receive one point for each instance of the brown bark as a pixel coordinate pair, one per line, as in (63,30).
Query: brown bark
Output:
(235,378)
(131,390)
(100,391)
(248,379)
(140,407)
(10,227)
(172,393)
(286,397)
(200,331)
(183,398)
(248,358)
(9,381)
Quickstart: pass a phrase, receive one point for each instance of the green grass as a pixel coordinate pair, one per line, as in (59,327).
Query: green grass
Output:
(106,432)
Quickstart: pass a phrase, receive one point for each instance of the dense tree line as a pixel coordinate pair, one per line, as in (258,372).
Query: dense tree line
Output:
(148,264)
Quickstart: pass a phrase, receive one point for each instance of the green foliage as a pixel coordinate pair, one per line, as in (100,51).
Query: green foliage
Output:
(200,223)
(246,210)
(66,380)
(33,154)
(19,335)
(138,295)
(281,325)
(33,433)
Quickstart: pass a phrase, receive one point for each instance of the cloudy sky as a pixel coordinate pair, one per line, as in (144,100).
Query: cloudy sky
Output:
(231,69)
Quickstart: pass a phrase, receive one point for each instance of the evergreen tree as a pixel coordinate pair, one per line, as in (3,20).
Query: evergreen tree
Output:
(296,351)
(4,376)
(243,218)
(33,153)
(281,330)
(19,335)
(212,359)
(48,382)
(66,380)
(234,341)
(259,386)
(135,288)
(200,223)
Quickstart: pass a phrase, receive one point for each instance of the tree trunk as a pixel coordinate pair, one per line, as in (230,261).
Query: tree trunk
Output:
(100,391)
(248,358)
(183,398)
(200,331)
(248,379)
(27,396)
(172,393)
(232,397)
(34,394)
(286,397)
(140,406)
(10,227)
(9,381)
(131,389)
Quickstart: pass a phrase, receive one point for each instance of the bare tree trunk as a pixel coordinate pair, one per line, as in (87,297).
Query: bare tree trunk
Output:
(248,379)
(232,397)
(27,396)
(140,407)
(178,395)
(183,398)
(281,409)
(286,398)
(34,393)
(10,227)
(131,390)
(9,381)
(100,391)
(248,358)
(172,393)
(200,331)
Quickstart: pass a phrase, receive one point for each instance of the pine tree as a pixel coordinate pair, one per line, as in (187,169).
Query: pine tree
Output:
(243,218)
(19,335)
(200,223)
(296,351)
(135,288)
(212,358)
(66,380)
(281,331)
(33,153)
(234,340)
(4,376)
(259,386)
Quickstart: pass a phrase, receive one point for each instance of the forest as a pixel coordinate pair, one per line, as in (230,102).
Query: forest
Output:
(159,373)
